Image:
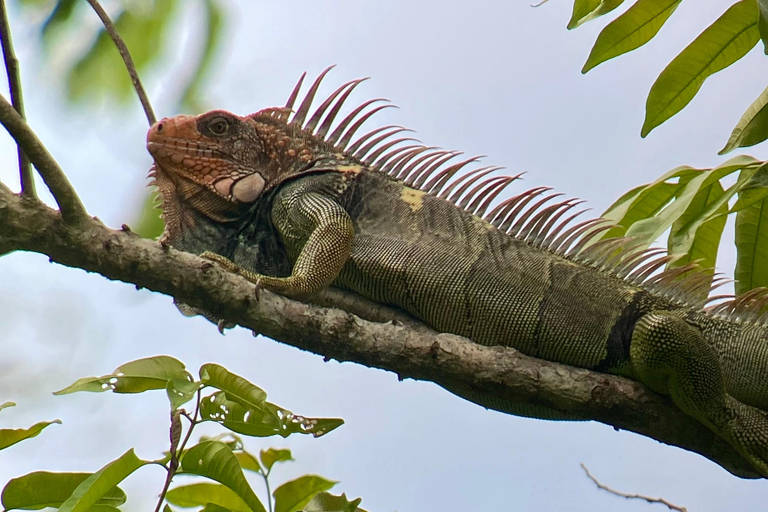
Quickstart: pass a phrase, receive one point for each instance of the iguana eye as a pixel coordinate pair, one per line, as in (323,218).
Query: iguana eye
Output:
(218,126)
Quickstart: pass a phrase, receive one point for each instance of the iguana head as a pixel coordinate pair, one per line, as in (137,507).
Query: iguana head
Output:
(218,164)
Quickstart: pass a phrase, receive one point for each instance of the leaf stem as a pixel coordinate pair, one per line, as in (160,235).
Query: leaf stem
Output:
(14,85)
(127,59)
(176,452)
(266,483)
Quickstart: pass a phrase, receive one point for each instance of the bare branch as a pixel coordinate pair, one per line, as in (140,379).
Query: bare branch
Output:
(126,55)
(632,496)
(466,368)
(72,209)
(14,85)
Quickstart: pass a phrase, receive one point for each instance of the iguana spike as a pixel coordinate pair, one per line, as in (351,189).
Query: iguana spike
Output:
(475,196)
(644,271)
(630,262)
(480,208)
(393,167)
(528,213)
(421,176)
(358,153)
(511,208)
(563,245)
(356,126)
(537,227)
(295,92)
(548,230)
(412,169)
(555,232)
(301,113)
(315,119)
(456,189)
(394,156)
(436,184)
(371,158)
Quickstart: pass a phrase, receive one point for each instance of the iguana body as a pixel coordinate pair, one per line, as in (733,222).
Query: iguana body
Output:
(295,210)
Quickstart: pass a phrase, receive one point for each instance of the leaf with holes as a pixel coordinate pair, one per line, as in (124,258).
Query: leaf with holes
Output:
(180,391)
(762,24)
(630,31)
(214,460)
(42,489)
(721,44)
(133,377)
(237,388)
(195,495)
(257,422)
(11,436)
(752,128)
(293,495)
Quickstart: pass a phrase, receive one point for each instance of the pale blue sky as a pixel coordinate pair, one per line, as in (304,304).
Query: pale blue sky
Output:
(498,78)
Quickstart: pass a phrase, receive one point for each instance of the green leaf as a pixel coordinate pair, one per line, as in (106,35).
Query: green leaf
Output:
(248,461)
(212,507)
(751,246)
(190,99)
(237,388)
(96,486)
(696,234)
(60,15)
(721,44)
(585,10)
(214,460)
(327,502)
(650,229)
(149,223)
(645,201)
(11,436)
(293,495)
(271,455)
(133,377)
(101,72)
(201,494)
(630,31)
(752,128)
(43,489)
(180,391)
(753,190)
(6,405)
(762,24)
(258,422)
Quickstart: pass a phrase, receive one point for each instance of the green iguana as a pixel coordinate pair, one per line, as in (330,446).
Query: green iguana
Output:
(295,206)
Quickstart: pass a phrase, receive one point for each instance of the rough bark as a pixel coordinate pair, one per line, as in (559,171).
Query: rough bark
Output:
(362,332)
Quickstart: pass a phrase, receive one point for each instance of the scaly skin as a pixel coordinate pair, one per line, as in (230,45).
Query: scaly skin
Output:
(294,214)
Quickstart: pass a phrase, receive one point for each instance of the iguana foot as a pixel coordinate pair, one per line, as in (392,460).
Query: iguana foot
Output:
(295,285)
(672,357)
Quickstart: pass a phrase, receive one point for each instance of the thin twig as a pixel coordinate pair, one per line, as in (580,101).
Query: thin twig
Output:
(632,496)
(14,84)
(126,55)
(72,209)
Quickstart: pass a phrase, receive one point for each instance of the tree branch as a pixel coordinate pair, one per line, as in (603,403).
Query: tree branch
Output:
(72,209)
(408,349)
(603,487)
(14,85)
(127,59)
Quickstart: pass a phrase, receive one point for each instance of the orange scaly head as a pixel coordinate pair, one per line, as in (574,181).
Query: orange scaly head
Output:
(219,164)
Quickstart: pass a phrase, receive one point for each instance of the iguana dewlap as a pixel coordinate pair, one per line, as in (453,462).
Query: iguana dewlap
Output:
(295,205)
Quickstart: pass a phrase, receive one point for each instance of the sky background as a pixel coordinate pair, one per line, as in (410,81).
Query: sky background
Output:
(496,78)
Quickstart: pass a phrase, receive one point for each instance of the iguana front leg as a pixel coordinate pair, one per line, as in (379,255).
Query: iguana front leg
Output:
(672,357)
(324,232)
